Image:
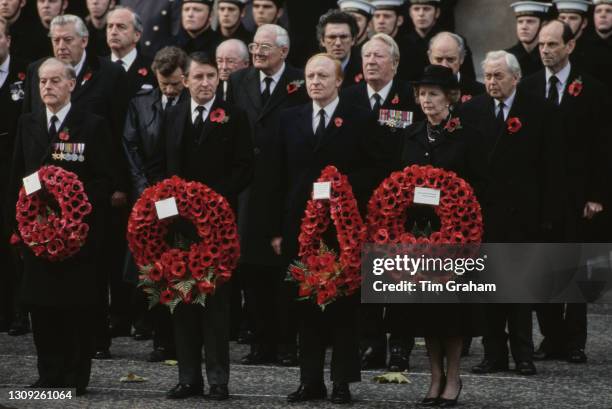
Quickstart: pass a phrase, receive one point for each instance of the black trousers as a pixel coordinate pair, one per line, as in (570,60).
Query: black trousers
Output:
(338,324)
(163,331)
(196,326)
(372,328)
(564,326)
(518,317)
(64,342)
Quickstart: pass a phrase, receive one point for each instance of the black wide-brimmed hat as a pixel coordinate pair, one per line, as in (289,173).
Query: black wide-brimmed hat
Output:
(438,75)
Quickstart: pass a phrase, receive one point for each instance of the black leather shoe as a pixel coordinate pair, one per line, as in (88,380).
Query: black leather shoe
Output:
(257,358)
(525,368)
(308,392)
(428,402)
(102,354)
(182,391)
(288,359)
(576,356)
(161,354)
(449,403)
(218,392)
(341,393)
(542,355)
(487,366)
(18,328)
(372,359)
(399,360)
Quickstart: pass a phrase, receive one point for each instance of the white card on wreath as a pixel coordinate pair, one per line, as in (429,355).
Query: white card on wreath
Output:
(426,196)
(166,208)
(321,191)
(31,183)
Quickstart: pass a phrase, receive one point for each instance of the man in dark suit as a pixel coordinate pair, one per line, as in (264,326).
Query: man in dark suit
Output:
(123,33)
(12,77)
(230,14)
(327,131)
(218,153)
(581,103)
(98,90)
(601,42)
(336,33)
(61,295)
(448,49)
(196,33)
(96,25)
(362,12)
(161,20)
(232,55)
(263,91)
(28,34)
(143,147)
(514,154)
(529,18)
(383,92)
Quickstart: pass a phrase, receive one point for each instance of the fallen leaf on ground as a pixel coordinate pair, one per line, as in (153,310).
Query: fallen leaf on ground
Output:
(132,378)
(391,377)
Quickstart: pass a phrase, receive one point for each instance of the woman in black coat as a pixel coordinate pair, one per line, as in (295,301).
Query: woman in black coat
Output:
(442,142)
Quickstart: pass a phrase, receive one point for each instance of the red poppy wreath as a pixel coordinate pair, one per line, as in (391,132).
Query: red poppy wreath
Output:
(51,221)
(191,270)
(321,274)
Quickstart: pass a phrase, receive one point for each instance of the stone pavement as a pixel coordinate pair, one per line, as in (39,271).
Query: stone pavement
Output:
(558,385)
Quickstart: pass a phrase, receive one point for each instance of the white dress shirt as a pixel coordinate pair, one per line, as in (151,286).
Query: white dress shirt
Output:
(61,116)
(164,101)
(329,112)
(194,110)
(384,93)
(4,70)
(507,105)
(562,75)
(275,78)
(127,61)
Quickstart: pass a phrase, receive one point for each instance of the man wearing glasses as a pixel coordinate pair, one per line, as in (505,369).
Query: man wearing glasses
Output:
(336,32)
(263,91)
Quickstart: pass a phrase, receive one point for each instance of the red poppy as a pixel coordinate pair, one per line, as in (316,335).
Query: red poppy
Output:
(359,77)
(21,76)
(452,125)
(575,88)
(395,100)
(514,125)
(15,239)
(87,76)
(64,135)
(206,287)
(465,98)
(166,296)
(338,122)
(291,88)
(218,115)
(143,72)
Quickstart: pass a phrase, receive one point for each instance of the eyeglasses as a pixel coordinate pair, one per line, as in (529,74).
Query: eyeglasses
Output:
(342,37)
(262,48)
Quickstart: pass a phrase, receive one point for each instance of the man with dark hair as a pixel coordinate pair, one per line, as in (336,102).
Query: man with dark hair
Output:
(220,156)
(529,18)
(49,9)
(362,11)
(581,104)
(575,13)
(12,76)
(28,36)
(336,33)
(230,14)
(196,33)
(96,24)
(267,11)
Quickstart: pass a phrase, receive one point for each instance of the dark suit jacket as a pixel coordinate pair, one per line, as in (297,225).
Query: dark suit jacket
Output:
(530,62)
(100,90)
(521,197)
(207,42)
(73,281)
(139,76)
(352,146)
(228,159)
(353,68)
(586,134)
(470,88)
(264,120)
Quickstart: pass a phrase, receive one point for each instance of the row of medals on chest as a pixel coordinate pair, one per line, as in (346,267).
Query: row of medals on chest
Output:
(71,152)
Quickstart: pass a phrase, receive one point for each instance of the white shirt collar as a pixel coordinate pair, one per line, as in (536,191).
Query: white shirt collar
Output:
(4,67)
(329,112)
(507,104)
(164,101)
(384,93)
(275,77)
(61,116)
(128,60)
(562,75)
(79,66)
(207,106)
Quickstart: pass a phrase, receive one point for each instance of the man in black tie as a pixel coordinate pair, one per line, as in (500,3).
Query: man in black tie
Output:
(123,32)
(327,131)
(514,154)
(263,91)
(220,155)
(143,147)
(232,56)
(581,103)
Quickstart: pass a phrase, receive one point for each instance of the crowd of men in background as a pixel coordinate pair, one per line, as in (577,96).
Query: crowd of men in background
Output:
(146,66)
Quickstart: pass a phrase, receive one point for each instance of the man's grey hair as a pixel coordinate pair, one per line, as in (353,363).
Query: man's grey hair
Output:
(458,39)
(243,51)
(69,71)
(389,41)
(282,36)
(136,20)
(511,62)
(62,20)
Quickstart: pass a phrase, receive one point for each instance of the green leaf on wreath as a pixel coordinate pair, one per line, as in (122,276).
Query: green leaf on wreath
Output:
(200,299)
(184,286)
(153,299)
(172,304)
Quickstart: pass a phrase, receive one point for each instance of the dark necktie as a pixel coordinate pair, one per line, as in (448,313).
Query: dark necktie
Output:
(120,63)
(170,102)
(377,102)
(198,124)
(53,127)
(500,119)
(553,92)
(321,127)
(265,95)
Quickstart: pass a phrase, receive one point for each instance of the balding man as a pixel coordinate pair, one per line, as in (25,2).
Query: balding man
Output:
(62,295)
(328,130)
(448,49)
(232,56)
(263,91)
